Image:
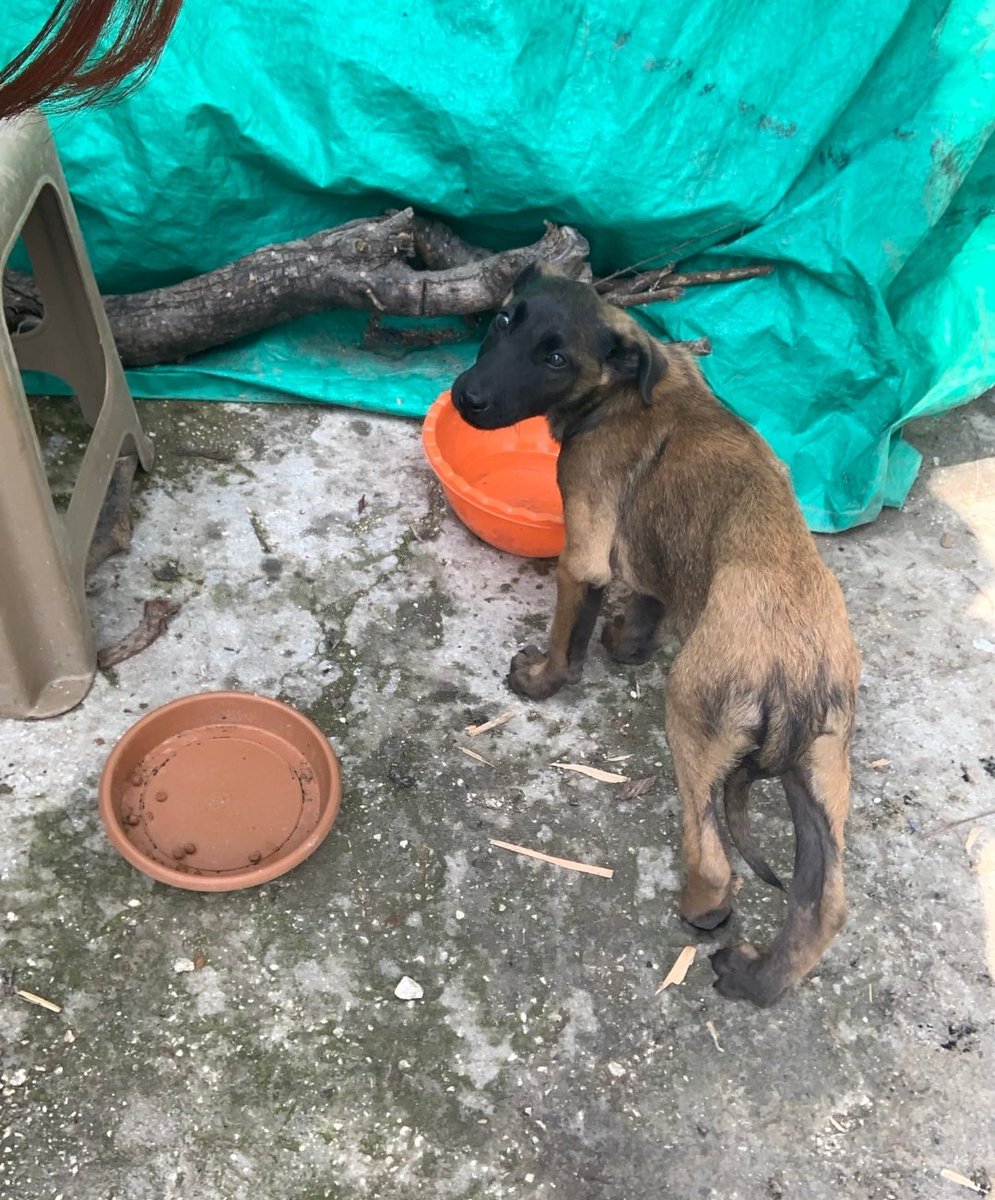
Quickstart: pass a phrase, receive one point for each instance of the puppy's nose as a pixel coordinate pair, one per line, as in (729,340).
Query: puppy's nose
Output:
(471,402)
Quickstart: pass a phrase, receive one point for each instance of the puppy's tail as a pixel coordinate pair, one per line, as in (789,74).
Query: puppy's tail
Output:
(735,796)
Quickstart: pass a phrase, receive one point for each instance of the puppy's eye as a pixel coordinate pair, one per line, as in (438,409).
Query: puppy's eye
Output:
(502,320)
(556,361)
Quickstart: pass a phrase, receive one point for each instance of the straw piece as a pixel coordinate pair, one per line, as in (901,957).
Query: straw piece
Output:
(39,1000)
(604,872)
(956,1177)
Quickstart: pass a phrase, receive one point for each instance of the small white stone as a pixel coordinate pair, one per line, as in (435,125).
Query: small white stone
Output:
(616,1069)
(184,964)
(16,1078)
(408,989)
(460,914)
(134,904)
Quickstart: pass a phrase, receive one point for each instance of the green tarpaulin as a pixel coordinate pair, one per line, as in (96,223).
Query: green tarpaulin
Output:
(848,143)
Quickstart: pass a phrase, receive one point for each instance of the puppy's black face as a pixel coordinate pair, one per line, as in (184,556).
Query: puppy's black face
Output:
(526,362)
(550,350)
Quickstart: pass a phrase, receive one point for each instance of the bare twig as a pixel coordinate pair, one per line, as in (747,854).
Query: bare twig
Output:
(649,287)
(156,615)
(989,812)
(494,723)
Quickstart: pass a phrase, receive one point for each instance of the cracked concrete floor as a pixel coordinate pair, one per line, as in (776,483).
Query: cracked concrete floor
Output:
(315,560)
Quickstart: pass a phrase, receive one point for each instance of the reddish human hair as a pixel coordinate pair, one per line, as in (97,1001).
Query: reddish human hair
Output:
(60,63)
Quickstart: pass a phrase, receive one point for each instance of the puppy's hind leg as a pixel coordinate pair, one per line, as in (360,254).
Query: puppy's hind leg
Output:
(818,792)
(633,637)
(702,765)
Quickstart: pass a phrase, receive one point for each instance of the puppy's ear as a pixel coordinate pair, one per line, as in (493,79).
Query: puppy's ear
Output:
(533,272)
(631,356)
(538,269)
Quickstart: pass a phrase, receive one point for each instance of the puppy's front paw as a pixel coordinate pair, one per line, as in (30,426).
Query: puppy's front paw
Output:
(744,974)
(530,675)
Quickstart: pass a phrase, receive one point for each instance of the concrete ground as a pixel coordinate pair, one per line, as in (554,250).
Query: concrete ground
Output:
(315,560)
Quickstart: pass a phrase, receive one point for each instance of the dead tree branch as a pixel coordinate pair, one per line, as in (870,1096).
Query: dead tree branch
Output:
(396,265)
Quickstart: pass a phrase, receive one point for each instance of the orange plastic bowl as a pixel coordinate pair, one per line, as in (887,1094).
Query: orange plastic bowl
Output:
(501,483)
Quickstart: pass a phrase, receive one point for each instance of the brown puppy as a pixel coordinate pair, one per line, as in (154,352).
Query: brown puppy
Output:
(681,500)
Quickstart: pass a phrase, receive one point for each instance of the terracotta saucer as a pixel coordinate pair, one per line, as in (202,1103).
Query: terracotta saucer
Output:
(219,791)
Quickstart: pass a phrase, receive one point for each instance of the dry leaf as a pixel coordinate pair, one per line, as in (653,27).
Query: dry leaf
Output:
(679,970)
(503,719)
(593,772)
(636,787)
(604,872)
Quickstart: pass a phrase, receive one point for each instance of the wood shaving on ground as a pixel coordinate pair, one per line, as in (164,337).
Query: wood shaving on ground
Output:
(155,618)
(679,970)
(474,755)
(956,1177)
(503,719)
(617,758)
(836,1125)
(592,772)
(710,1026)
(878,764)
(569,864)
(636,787)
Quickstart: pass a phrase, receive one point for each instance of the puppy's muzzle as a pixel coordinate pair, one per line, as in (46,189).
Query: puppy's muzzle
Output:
(469,401)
